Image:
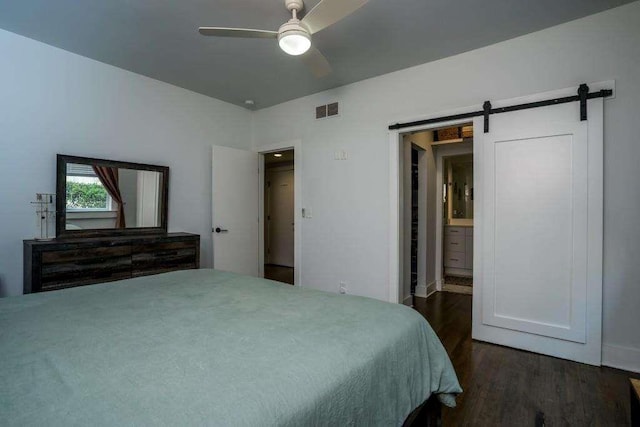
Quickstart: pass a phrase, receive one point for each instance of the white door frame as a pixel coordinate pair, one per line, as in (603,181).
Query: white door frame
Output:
(296,146)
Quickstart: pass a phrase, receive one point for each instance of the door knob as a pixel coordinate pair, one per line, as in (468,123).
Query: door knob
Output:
(220,230)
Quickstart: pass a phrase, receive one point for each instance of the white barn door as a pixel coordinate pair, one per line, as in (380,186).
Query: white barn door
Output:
(539,252)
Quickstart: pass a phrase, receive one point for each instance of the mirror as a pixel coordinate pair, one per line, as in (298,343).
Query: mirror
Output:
(458,193)
(97,197)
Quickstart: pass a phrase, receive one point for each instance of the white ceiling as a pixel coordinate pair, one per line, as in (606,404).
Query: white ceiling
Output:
(159,38)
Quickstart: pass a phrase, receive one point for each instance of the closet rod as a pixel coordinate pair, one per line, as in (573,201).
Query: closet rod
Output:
(582,96)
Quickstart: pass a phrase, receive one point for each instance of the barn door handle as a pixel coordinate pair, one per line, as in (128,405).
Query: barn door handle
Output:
(220,230)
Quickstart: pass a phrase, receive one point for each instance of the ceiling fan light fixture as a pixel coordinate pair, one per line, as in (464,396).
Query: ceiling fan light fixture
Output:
(294,36)
(293,39)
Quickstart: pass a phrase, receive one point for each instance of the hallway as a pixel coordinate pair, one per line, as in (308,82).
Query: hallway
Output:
(278,273)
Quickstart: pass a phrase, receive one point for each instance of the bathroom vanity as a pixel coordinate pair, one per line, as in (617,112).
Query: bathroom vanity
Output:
(458,250)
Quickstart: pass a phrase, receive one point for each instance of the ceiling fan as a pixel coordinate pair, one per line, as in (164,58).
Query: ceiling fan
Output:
(294,36)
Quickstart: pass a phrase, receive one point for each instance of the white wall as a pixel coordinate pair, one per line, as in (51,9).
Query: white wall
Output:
(56,102)
(347,238)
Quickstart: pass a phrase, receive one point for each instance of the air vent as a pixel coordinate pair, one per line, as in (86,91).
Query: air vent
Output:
(321,112)
(329,110)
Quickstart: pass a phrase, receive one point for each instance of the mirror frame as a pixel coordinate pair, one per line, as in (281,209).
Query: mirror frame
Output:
(61,198)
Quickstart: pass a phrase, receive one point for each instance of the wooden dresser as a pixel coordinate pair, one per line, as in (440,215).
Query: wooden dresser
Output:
(65,263)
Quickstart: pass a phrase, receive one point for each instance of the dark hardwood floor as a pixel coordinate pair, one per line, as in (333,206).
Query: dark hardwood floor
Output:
(278,273)
(508,387)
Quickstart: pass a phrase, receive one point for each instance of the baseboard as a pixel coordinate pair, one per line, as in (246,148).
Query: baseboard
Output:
(621,357)
(431,289)
(458,289)
(423,291)
(462,272)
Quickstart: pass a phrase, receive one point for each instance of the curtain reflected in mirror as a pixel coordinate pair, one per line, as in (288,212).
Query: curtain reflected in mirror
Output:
(105,197)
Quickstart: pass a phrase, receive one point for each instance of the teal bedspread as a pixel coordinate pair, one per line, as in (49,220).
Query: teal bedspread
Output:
(205,347)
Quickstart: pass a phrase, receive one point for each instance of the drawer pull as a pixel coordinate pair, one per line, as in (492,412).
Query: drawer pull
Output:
(454,259)
(453,243)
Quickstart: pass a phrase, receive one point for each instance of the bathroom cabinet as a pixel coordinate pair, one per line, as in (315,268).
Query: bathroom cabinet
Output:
(458,250)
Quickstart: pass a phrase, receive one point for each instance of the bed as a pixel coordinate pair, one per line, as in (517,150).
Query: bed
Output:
(205,347)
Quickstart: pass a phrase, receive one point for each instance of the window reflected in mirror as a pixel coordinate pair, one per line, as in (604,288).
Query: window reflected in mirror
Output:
(103,197)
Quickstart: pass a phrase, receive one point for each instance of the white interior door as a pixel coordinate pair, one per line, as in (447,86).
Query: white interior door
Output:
(280,217)
(539,256)
(235,210)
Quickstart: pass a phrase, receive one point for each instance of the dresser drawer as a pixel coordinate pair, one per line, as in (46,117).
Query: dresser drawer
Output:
(83,266)
(454,231)
(64,263)
(454,243)
(157,258)
(454,259)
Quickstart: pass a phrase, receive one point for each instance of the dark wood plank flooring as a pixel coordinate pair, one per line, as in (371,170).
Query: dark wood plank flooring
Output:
(508,387)
(278,273)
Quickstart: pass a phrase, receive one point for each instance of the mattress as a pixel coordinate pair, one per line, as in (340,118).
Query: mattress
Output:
(205,347)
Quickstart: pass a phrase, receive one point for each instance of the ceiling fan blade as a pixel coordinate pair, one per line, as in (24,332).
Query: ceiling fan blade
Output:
(328,12)
(317,63)
(238,32)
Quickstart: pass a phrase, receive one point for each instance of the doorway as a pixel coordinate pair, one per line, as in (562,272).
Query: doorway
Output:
(279,216)
(456,232)
(427,159)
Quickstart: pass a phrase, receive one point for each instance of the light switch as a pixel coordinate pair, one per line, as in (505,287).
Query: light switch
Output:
(340,155)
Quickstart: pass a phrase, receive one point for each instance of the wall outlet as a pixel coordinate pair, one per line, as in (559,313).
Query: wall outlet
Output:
(306,213)
(343,288)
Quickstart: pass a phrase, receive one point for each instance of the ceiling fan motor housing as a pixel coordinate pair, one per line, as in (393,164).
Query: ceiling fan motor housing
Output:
(296,5)
(293,26)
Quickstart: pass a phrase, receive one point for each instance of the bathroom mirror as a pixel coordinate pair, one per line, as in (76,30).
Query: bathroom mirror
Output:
(458,191)
(97,197)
